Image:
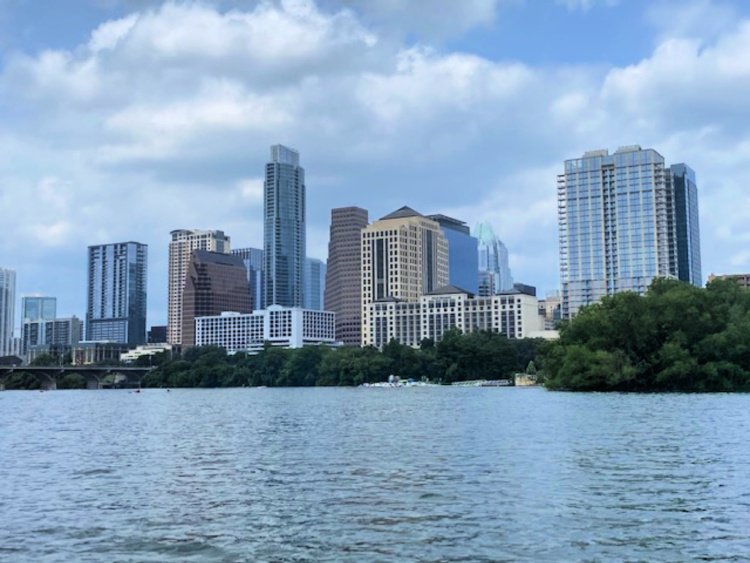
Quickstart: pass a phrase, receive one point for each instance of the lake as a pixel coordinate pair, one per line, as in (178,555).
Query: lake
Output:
(427,474)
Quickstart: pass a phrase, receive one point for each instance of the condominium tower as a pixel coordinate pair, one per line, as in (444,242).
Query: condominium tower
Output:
(315,284)
(7,310)
(253,260)
(284,229)
(116,297)
(184,241)
(620,225)
(404,256)
(343,288)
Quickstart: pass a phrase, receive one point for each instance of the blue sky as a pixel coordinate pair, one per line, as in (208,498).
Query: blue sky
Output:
(125,119)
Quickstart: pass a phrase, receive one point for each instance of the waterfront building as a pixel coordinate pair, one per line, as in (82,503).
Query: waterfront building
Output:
(343,284)
(7,311)
(36,308)
(620,225)
(183,243)
(404,256)
(116,296)
(102,353)
(54,332)
(513,313)
(284,229)
(494,271)
(687,229)
(146,350)
(315,284)
(463,253)
(215,282)
(286,327)
(253,260)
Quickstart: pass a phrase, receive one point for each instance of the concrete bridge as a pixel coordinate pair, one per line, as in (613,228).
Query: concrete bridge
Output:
(97,377)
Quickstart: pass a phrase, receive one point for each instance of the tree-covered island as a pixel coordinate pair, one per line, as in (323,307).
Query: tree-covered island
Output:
(677,337)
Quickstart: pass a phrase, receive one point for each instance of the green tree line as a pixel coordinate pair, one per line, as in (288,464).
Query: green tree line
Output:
(457,357)
(677,337)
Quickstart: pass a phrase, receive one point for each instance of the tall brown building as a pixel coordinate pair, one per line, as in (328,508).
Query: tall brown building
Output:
(343,293)
(214,283)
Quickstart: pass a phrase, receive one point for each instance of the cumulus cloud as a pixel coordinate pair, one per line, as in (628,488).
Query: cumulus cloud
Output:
(162,119)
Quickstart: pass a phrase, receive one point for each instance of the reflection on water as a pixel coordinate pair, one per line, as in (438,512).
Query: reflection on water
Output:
(430,474)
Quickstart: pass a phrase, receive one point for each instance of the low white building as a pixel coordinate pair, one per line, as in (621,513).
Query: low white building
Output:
(145,350)
(513,313)
(287,327)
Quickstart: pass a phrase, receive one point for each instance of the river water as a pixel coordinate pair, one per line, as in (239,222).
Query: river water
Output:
(423,474)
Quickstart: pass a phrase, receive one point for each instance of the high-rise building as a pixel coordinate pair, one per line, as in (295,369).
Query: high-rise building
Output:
(494,271)
(35,308)
(620,224)
(116,297)
(463,257)
(184,241)
(343,287)
(253,260)
(284,229)
(688,247)
(7,311)
(215,283)
(53,333)
(404,256)
(315,284)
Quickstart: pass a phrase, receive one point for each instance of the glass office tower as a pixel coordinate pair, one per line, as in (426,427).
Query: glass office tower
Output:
(463,257)
(688,247)
(315,284)
(7,310)
(36,308)
(253,260)
(618,223)
(284,229)
(494,271)
(116,300)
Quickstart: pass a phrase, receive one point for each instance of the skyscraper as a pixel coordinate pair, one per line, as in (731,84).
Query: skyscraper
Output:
(620,224)
(687,229)
(253,260)
(404,256)
(284,229)
(343,288)
(494,271)
(215,283)
(184,241)
(36,308)
(7,310)
(116,297)
(463,258)
(315,284)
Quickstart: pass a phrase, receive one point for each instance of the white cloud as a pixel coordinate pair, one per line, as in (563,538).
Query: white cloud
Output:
(163,119)
(586,5)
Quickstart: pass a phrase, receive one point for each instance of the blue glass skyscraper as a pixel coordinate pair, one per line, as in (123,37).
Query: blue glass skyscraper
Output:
(687,229)
(463,260)
(494,271)
(116,298)
(284,229)
(315,283)
(619,224)
(253,260)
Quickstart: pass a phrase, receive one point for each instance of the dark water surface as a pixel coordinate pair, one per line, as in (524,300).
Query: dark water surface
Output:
(429,474)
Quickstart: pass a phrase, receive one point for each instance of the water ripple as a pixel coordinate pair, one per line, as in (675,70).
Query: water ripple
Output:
(439,474)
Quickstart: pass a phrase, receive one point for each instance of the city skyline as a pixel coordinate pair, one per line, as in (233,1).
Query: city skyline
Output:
(190,153)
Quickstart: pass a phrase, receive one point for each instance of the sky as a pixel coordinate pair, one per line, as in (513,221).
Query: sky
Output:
(122,120)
